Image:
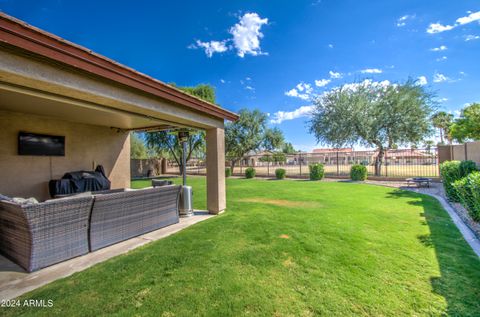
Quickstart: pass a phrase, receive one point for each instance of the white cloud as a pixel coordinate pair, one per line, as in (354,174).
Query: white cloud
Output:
(246,37)
(402,21)
(248,78)
(440,48)
(246,34)
(304,111)
(443,99)
(441,59)
(371,71)
(302,91)
(365,83)
(305,87)
(250,88)
(322,82)
(330,45)
(222,81)
(471,37)
(335,75)
(474,16)
(438,27)
(280,116)
(422,80)
(438,78)
(210,47)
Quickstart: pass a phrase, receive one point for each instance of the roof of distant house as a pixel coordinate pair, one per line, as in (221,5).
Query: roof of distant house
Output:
(326,150)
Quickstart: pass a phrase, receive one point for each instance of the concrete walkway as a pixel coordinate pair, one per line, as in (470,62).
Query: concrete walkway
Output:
(14,281)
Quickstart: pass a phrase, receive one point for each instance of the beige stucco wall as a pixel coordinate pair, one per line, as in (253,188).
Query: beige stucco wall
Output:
(458,152)
(444,153)
(85,146)
(473,151)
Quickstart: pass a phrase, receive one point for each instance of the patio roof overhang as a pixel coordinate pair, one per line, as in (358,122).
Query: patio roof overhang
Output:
(43,74)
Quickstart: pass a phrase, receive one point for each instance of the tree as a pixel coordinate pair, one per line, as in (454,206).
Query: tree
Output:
(442,121)
(248,134)
(166,144)
(277,157)
(166,140)
(138,150)
(202,91)
(288,148)
(273,139)
(377,114)
(467,127)
(428,145)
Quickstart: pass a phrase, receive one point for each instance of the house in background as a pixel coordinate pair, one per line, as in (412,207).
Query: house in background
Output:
(50,86)
(346,156)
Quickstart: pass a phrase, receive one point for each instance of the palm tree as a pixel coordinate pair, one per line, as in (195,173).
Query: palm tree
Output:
(442,121)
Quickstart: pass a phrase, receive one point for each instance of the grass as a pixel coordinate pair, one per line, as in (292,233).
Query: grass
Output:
(287,248)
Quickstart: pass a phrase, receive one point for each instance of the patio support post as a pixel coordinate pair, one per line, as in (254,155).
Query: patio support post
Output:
(216,199)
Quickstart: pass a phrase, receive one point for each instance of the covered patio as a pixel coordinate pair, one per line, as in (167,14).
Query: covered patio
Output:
(52,87)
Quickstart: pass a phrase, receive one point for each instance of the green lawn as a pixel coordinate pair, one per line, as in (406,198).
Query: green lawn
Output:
(288,248)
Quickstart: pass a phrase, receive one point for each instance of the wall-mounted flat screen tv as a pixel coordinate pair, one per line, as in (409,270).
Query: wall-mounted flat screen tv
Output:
(40,144)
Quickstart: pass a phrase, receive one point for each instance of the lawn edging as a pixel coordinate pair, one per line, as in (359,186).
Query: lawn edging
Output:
(464,229)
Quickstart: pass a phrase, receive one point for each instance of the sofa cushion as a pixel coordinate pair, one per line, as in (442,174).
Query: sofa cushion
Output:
(84,194)
(3,197)
(24,201)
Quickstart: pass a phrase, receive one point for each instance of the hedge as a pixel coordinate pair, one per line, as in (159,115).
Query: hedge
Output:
(280,173)
(250,172)
(466,167)
(468,192)
(358,172)
(316,171)
(228,172)
(452,171)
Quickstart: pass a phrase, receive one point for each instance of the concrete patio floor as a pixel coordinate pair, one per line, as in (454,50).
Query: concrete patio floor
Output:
(14,281)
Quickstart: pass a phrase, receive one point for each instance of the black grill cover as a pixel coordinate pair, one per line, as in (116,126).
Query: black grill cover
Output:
(79,182)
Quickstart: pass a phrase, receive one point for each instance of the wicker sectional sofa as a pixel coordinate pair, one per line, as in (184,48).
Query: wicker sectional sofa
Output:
(38,235)
(120,216)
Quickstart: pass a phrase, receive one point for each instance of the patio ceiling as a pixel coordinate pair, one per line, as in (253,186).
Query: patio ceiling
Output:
(20,99)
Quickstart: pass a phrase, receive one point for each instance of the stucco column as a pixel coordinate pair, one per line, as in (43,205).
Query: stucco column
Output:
(216,198)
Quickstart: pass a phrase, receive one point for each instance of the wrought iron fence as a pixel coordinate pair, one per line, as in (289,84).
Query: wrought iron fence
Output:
(399,163)
(195,166)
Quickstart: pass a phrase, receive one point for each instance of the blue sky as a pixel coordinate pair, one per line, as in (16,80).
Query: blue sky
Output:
(274,55)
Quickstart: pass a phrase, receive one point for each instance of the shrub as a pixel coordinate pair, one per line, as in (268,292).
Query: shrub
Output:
(450,172)
(228,172)
(358,172)
(280,173)
(316,171)
(250,172)
(468,192)
(466,167)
